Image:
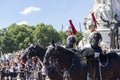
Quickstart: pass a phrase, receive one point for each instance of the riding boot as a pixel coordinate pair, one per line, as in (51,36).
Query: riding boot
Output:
(97,70)
(90,75)
(98,73)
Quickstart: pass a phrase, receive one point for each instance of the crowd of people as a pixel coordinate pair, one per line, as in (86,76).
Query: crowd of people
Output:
(12,67)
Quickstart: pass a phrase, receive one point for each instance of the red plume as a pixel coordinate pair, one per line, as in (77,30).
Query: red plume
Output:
(94,19)
(73,28)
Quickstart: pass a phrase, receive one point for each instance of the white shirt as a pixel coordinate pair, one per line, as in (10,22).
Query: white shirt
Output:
(44,70)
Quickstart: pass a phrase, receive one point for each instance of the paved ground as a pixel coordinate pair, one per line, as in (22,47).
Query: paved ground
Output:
(47,78)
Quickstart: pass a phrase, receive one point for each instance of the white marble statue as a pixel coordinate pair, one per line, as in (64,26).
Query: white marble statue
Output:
(102,1)
(115,6)
(100,9)
(97,1)
(104,8)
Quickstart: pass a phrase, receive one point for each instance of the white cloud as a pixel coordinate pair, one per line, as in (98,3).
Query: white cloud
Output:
(29,10)
(22,22)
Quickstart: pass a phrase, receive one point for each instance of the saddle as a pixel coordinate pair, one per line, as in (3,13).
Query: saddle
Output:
(72,49)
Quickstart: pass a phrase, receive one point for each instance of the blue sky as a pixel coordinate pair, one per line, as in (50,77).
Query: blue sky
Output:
(54,12)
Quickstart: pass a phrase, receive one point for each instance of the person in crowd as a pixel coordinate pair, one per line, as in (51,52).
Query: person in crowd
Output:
(36,73)
(43,70)
(34,62)
(31,77)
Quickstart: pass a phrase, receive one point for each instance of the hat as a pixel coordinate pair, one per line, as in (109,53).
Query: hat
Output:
(68,28)
(91,23)
(94,21)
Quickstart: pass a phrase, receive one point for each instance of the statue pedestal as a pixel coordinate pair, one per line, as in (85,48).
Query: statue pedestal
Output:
(105,36)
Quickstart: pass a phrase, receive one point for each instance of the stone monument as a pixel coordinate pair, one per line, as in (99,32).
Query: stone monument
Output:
(104,11)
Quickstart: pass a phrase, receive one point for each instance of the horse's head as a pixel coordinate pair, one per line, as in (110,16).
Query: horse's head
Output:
(50,54)
(33,50)
(58,54)
(29,53)
(24,56)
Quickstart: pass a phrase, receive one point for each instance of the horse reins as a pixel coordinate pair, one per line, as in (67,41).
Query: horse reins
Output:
(61,71)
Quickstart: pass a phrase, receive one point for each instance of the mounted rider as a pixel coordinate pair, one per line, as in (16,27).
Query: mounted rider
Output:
(71,38)
(95,40)
(90,40)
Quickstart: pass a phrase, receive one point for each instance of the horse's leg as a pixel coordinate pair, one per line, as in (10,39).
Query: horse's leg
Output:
(91,69)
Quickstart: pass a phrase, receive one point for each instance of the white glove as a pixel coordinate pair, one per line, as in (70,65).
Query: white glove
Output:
(97,54)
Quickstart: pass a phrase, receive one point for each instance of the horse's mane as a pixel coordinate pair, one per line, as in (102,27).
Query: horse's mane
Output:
(88,52)
(66,51)
(40,50)
(40,47)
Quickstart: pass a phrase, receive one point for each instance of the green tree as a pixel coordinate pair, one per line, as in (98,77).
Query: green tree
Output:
(21,35)
(79,36)
(63,37)
(4,39)
(44,34)
(16,37)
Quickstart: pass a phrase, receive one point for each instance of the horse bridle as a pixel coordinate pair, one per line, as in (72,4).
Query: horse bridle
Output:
(53,55)
(29,51)
(57,65)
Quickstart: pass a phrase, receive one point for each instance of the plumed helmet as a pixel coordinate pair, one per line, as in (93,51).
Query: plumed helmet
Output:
(68,28)
(91,23)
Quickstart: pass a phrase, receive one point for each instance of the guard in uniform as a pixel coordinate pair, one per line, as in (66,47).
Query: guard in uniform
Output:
(95,39)
(71,39)
(88,40)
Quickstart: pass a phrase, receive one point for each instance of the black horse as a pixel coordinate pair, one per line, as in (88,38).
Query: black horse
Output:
(39,51)
(73,67)
(107,65)
(110,69)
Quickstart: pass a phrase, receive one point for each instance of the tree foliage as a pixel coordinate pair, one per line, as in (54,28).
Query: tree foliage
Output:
(16,37)
(63,37)
(44,34)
